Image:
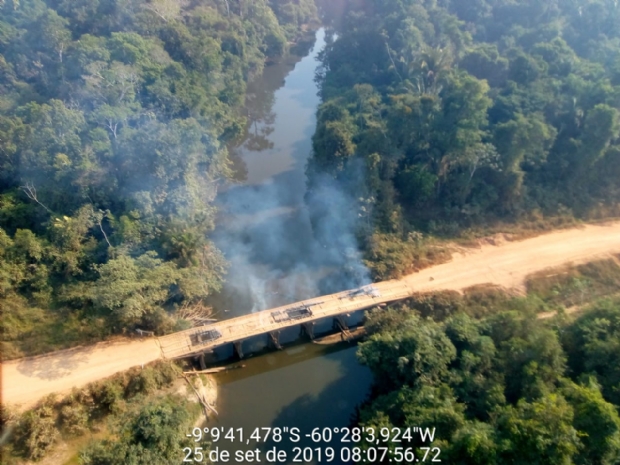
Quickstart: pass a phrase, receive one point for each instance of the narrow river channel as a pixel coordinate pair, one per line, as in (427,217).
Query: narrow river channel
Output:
(265,233)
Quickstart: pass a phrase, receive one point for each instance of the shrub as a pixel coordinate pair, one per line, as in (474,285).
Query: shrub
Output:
(108,395)
(74,418)
(388,256)
(439,305)
(141,381)
(37,432)
(166,373)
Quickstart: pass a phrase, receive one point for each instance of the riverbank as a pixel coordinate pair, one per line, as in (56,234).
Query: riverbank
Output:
(62,425)
(26,381)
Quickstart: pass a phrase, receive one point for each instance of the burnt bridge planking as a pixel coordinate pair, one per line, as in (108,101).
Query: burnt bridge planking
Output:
(202,339)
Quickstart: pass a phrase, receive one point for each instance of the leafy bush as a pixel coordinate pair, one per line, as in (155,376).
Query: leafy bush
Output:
(74,418)
(166,373)
(108,395)
(141,381)
(37,431)
(153,435)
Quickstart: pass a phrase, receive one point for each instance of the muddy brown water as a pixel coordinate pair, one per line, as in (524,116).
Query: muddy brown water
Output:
(305,385)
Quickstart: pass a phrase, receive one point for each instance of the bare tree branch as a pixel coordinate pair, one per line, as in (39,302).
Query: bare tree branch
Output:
(105,236)
(392,60)
(197,313)
(31,193)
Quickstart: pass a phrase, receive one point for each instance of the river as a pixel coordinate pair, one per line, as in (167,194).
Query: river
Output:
(266,235)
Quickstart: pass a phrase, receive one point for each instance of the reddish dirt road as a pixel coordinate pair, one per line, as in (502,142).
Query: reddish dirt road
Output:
(27,380)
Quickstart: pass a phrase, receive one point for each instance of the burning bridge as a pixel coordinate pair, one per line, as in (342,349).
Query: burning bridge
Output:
(270,322)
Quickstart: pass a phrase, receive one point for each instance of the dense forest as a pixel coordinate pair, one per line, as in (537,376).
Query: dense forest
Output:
(442,115)
(507,388)
(114,120)
(498,376)
(438,116)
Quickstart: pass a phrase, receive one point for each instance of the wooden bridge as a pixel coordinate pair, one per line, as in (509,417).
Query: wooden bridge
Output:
(270,322)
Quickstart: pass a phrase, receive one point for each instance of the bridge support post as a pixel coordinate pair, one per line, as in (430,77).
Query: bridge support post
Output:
(201,360)
(274,339)
(238,345)
(341,325)
(307,329)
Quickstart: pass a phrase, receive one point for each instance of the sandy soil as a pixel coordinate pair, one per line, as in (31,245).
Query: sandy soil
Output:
(27,380)
(509,263)
(506,264)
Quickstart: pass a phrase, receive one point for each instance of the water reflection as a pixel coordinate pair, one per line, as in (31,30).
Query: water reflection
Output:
(266,234)
(333,11)
(280,120)
(263,228)
(270,101)
(314,392)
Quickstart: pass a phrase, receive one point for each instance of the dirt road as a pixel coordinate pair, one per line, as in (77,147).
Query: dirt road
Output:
(27,380)
(508,264)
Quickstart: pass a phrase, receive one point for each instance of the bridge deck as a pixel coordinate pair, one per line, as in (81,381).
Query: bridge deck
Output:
(184,343)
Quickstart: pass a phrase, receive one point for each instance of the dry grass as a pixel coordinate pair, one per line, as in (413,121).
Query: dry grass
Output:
(390,257)
(548,293)
(576,285)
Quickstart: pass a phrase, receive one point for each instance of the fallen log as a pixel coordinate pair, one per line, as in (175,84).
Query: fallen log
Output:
(352,335)
(203,401)
(214,370)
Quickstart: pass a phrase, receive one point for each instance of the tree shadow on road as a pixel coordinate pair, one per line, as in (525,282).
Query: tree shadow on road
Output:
(56,365)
